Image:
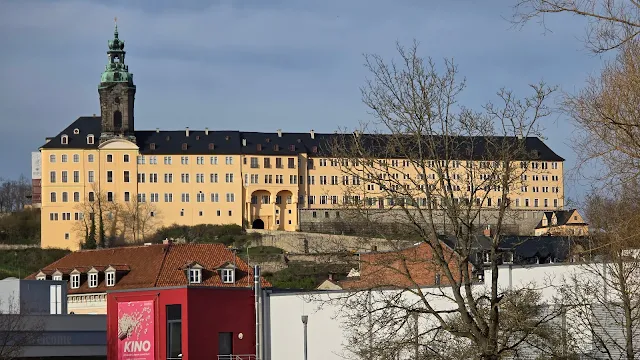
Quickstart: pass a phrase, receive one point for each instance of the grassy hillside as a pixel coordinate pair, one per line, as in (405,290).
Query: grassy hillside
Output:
(20,263)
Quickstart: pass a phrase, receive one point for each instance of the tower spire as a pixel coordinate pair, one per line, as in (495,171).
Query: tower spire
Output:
(115,32)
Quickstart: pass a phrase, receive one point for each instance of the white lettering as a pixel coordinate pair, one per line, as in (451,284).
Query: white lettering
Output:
(137,346)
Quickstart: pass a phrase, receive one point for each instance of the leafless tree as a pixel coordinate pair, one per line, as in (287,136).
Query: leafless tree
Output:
(139,219)
(604,295)
(607,118)
(99,215)
(434,166)
(611,23)
(13,194)
(17,329)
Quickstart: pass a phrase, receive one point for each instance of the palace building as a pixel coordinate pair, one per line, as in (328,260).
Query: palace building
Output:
(276,181)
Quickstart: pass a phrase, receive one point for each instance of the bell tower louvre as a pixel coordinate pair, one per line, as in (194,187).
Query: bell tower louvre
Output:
(117,94)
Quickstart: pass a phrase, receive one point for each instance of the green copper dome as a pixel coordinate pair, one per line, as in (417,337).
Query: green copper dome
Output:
(116,70)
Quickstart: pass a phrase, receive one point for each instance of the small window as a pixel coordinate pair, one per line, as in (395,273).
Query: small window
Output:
(259,147)
(437,279)
(57,277)
(314,149)
(184,146)
(75,281)
(93,280)
(292,148)
(228,276)
(211,146)
(195,276)
(125,158)
(111,278)
(76,131)
(109,158)
(90,139)
(152,146)
(64,139)
(41,277)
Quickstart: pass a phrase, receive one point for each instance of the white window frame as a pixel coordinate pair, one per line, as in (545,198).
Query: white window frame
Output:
(57,277)
(93,280)
(195,276)
(228,276)
(41,277)
(110,277)
(75,281)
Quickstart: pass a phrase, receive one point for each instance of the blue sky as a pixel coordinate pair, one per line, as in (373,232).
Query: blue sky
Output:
(259,65)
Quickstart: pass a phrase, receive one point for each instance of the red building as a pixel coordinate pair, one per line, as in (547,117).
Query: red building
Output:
(183,322)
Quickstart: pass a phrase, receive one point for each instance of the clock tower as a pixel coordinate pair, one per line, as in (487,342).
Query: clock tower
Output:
(117,94)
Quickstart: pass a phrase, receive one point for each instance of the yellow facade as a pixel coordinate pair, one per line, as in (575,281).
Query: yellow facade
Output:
(249,190)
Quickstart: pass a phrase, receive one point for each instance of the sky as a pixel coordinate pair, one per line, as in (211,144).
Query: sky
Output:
(263,65)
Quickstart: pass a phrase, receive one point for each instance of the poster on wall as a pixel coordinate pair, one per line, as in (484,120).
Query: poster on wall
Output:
(136,330)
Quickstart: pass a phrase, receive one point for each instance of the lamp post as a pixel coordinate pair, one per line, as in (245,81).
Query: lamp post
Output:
(305,320)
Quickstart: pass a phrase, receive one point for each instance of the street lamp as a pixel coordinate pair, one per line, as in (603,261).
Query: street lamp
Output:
(305,320)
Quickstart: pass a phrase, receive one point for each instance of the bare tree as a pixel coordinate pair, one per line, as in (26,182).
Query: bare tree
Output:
(139,219)
(611,23)
(13,194)
(432,167)
(607,117)
(604,295)
(99,221)
(17,329)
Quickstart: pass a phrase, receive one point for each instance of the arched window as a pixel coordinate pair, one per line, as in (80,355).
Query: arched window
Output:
(117,120)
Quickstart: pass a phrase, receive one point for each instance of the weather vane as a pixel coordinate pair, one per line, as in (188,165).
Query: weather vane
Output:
(115,19)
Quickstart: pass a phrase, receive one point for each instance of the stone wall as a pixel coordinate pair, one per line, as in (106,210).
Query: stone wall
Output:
(339,221)
(315,243)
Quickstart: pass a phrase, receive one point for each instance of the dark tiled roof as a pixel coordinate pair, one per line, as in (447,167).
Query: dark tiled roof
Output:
(231,142)
(151,266)
(563,216)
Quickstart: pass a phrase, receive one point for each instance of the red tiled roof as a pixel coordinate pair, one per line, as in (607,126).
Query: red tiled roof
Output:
(152,266)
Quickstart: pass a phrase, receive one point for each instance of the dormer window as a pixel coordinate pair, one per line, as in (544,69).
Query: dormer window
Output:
(507,257)
(211,146)
(57,277)
(76,131)
(75,281)
(41,276)
(90,139)
(93,280)
(110,278)
(292,148)
(64,139)
(195,276)
(314,149)
(228,276)
(276,147)
(152,146)
(184,146)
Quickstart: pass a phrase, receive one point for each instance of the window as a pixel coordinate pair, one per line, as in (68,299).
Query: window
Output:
(225,344)
(213,178)
(90,177)
(228,276)
(195,276)
(291,163)
(141,160)
(184,178)
(90,158)
(55,298)
(437,279)
(92,196)
(52,177)
(109,176)
(127,196)
(200,160)
(230,197)
(174,331)
(184,160)
(125,158)
(53,216)
(215,197)
(90,139)
(168,197)
(93,280)
(155,197)
(76,176)
(109,158)
(64,139)
(214,160)
(142,197)
(279,163)
(185,197)
(153,178)
(76,158)
(52,158)
(111,278)
(75,281)
(41,277)
(153,160)
(267,163)
(228,160)
(76,197)
(167,160)
(57,277)
(199,178)
(126,176)
(110,196)
(64,158)
(168,178)
(228,177)
(200,197)
(53,197)
(254,163)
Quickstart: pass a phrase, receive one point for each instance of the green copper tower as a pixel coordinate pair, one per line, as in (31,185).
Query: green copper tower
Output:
(117,94)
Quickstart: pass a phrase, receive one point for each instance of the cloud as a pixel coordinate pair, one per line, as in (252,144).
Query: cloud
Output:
(256,65)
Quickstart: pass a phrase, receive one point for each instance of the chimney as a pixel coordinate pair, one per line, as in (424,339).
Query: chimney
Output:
(356,133)
(487,231)
(187,131)
(157,130)
(279,132)
(313,134)
(519,136)
(330,276)
(244,142)
(166,241)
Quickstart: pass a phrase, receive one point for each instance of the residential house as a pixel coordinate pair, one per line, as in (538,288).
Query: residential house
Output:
(562,223)
(91,273)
